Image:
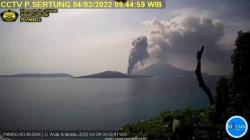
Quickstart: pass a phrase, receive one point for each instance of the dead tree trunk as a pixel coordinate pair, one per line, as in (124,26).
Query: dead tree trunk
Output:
(198,73)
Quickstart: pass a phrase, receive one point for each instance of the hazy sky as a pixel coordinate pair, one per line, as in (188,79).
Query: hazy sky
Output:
(82,42)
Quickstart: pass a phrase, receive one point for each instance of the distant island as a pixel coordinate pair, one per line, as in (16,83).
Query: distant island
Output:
(105,74)
(37,75)
(162,69)
(111,74)
(156,70)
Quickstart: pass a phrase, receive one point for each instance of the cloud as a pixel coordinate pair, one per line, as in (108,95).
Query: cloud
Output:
(176,42)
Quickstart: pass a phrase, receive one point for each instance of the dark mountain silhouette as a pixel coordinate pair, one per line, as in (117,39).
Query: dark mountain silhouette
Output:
(37,75)
(110,74)
(105,74)
(163,70)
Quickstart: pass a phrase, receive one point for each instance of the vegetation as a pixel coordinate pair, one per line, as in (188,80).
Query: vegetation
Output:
(233,91)
(232,98)
(181,124)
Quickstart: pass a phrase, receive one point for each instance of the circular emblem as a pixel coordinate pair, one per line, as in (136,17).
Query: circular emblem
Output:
(236,126)
(9,16)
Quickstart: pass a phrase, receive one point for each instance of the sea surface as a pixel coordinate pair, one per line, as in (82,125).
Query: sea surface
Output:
(93,104)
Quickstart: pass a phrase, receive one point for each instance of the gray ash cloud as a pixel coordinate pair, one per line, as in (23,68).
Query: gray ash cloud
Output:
(176,42)
(138,52)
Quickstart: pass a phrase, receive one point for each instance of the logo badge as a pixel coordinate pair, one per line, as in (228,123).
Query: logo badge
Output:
(236,126)
(9,16)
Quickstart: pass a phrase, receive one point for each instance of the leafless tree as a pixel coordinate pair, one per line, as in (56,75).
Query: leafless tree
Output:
(198,73)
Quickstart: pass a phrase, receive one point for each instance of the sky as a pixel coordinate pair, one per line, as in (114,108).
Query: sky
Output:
(81,42)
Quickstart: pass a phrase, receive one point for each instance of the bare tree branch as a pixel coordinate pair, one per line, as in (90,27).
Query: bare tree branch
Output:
(199,76)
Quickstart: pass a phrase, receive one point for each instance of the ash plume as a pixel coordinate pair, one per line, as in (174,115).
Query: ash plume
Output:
(138,52)
(176,42)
